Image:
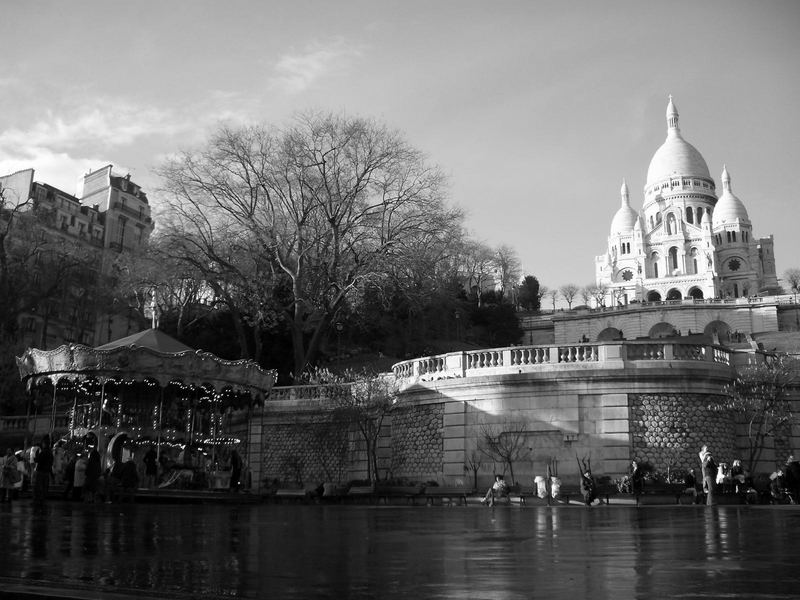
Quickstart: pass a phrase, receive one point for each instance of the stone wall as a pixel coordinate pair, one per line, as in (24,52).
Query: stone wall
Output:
(669,430)
(417,442)
(305,452)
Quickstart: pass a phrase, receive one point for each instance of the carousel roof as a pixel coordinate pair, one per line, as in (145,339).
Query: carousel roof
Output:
(146,355)
(150,338)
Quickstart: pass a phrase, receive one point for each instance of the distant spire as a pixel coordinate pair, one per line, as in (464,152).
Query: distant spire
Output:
(672,116)
(726,179)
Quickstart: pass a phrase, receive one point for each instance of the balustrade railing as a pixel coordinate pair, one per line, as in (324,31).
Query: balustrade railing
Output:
(500,360)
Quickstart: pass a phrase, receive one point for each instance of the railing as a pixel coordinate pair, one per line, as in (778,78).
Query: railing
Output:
(536,358)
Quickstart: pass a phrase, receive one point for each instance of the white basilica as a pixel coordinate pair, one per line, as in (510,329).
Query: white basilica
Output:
(685,242)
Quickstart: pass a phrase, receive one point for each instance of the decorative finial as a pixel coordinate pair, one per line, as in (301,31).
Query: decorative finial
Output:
(624,191)
(672,116)
(726,178)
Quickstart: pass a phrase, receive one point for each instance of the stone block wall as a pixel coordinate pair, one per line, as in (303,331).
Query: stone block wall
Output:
(670,429)
(417,441)
(310,452)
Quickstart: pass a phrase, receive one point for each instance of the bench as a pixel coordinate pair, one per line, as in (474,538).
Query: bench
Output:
(672,490)
(361,492)
(443,493)
(291,495)
(409,493)
(526,494)
(603,492)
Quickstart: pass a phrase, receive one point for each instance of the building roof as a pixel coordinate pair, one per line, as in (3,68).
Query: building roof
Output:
(676,156)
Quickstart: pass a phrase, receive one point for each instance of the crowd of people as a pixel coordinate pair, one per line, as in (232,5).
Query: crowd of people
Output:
(715,478)
(77,468)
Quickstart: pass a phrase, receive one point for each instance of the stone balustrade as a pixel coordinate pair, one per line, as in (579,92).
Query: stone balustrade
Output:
(518,359)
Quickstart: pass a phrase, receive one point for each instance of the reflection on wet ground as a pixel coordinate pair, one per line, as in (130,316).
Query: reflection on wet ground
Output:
(267,551)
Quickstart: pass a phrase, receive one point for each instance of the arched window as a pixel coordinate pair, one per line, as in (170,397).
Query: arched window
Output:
(689,215)
(673,258)
(694,254)
(699,215)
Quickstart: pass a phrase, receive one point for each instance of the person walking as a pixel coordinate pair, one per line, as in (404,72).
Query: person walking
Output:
(43,467)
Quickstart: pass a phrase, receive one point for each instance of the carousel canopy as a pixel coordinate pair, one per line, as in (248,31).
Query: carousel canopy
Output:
(151,355)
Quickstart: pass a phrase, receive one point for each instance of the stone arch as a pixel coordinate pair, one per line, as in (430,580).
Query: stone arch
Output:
(674,294)
(695,292)
(608,334)
(653,296)
(661,330)
(720,328)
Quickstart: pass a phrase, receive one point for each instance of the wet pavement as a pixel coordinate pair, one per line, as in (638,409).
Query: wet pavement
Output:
(272,551)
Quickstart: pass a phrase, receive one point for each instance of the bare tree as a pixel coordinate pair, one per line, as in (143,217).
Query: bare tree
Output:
(363,400)
(505,443)
(508,267)
(478,266)
(553,294)
(329,202)
(792,277)
(598,293)
(568,292)
(543,291)
(759,399)
(586,293)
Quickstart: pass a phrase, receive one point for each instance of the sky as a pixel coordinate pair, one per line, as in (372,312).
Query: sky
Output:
(535,110)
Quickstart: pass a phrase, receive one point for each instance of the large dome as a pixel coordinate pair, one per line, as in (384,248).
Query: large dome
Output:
(676,156)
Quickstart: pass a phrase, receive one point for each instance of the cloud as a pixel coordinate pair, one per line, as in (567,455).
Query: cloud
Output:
(65,144)
(297,72)
(109,123)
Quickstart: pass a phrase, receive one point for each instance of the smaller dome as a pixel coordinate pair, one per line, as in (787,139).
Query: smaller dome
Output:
(729,209)
(626,217)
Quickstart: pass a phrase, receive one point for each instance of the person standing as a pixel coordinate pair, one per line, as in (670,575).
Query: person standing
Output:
(793,479)
(8,475)
(236,471)
(93,470)
(637,479)
(79,478)
(150,467)
(43,467)
(709,475)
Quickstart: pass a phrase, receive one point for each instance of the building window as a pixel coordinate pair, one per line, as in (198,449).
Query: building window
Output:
(673,258)
(689,215)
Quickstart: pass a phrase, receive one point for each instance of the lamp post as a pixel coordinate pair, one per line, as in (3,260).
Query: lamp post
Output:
(458,325)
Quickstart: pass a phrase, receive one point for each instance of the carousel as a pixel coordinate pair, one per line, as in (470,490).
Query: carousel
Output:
(149,392)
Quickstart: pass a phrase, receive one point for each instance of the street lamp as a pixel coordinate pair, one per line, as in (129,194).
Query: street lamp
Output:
(458,325)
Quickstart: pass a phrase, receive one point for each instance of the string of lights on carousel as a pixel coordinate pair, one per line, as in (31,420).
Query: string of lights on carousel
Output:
(93,391)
